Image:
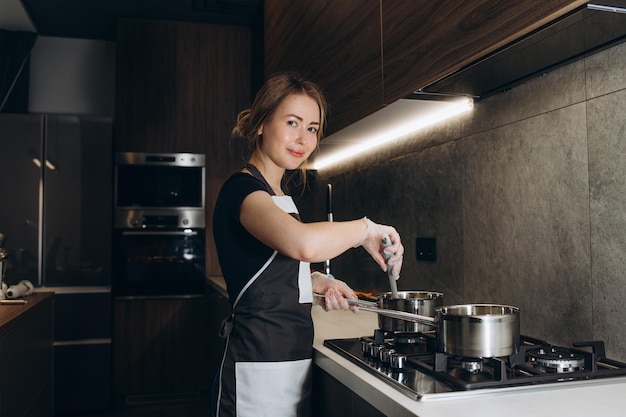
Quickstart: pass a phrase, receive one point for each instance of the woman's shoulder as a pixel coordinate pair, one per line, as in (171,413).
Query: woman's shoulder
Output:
(239,185)
(243,179)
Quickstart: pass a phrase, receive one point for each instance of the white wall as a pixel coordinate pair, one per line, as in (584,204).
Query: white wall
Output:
(72,76)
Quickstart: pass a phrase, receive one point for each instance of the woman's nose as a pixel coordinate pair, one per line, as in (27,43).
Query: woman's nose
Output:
(301,136)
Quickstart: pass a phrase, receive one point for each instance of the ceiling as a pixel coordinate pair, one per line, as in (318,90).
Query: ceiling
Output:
(91,19)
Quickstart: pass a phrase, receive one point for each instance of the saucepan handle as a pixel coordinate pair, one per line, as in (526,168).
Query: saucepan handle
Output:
(371,306)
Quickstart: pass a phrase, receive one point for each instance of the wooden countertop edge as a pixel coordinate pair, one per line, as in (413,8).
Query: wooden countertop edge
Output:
(12,314)
(218,284)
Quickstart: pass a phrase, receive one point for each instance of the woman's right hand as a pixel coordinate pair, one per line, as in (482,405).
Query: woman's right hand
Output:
(373,243)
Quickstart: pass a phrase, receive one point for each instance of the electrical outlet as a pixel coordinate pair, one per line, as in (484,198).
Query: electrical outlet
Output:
(426,249)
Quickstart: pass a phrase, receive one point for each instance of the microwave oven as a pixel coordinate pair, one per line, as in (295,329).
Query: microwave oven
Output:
(159,190)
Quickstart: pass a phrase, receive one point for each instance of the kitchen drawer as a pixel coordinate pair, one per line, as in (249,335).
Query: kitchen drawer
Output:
(82,377)
(331,398)
(82,349)
(82,313)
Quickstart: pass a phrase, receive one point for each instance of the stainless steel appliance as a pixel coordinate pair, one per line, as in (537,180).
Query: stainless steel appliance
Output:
(161,262)
(159,219)
(413,364)
(159,190)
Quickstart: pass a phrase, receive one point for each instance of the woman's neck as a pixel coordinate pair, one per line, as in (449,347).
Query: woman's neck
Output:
(272,174)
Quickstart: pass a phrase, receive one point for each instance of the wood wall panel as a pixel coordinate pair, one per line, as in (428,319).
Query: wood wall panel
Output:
(179,85)
(425,40)
(334,43)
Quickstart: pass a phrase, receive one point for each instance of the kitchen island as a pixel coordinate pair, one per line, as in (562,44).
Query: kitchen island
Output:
(603,398)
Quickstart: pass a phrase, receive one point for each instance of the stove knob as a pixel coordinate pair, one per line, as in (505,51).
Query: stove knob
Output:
(375,350)
(397,360)
(365,346)
(385,355)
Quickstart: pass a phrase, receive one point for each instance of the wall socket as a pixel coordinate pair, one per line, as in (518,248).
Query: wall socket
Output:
(426,249)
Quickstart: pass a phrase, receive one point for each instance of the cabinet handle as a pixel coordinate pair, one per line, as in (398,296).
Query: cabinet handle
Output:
(172,233)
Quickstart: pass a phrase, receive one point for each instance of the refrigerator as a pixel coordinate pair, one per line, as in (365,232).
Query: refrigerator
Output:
(56,215)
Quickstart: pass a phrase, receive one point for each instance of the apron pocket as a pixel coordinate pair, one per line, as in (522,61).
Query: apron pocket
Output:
(270,389)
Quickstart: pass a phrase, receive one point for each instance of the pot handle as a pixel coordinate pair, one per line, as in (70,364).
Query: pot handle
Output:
(358,302)
(371,306)
(429,321)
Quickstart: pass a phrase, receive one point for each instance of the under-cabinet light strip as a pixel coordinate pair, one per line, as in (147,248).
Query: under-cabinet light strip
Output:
(604,8)
(403,129)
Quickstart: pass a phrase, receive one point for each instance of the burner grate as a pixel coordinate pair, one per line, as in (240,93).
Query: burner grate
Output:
(416,368)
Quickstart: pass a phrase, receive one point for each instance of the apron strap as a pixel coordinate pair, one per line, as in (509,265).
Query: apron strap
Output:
(257,174)
(227,326)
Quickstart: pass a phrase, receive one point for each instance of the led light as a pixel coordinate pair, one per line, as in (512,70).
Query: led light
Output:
(398,120)
(50,165)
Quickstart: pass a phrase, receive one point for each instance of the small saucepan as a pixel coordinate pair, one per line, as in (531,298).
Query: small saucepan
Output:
(423,303)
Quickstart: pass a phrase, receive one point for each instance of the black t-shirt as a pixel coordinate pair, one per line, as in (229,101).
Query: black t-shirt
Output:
(240,254)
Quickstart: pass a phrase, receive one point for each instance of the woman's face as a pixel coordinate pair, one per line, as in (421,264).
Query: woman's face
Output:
(290,134)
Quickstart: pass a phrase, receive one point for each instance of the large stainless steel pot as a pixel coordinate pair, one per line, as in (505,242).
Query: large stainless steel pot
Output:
(416,302)
(478,330)
(468,330)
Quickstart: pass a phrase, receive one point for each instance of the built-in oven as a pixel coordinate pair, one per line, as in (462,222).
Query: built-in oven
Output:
(158,262)
(159,190)
(159,224)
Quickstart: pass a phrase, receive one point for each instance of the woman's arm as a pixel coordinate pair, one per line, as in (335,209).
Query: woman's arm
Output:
(315,242)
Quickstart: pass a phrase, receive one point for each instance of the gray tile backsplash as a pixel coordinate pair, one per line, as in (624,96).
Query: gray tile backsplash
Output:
(526,198)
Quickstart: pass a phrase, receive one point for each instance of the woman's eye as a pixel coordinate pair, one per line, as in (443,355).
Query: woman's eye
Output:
(312,129)
(292,123)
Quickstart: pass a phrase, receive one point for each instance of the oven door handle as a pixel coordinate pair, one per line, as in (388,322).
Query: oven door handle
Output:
(156,233)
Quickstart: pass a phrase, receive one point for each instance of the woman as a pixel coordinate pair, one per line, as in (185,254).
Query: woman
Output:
(264,252)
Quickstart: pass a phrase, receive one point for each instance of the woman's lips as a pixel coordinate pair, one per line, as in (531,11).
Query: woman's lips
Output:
(297,154)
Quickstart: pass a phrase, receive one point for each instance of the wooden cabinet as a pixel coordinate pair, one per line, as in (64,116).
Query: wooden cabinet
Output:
(159,350)
(82,349)
(424,41)
(179,85)
(333,399)
(369,53)
(219,309)
(337,44)
(26,357)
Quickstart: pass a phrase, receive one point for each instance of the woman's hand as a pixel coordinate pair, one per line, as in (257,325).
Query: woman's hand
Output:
(373,243)
(335,293)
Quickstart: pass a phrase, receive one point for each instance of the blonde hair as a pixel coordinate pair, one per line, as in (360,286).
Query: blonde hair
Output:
(267,100)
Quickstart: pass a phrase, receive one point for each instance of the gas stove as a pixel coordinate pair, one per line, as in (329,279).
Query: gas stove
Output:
(411,363)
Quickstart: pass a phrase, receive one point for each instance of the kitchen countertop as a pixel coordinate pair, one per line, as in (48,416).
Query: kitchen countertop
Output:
(11,314)
(602,398)
(218,284)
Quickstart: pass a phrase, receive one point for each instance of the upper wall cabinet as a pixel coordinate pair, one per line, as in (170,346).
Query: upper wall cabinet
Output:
(369,53)
(179,85)
(335,43)
(424,41)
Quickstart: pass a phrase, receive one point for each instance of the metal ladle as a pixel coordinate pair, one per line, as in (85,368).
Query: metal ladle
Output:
(392,278)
